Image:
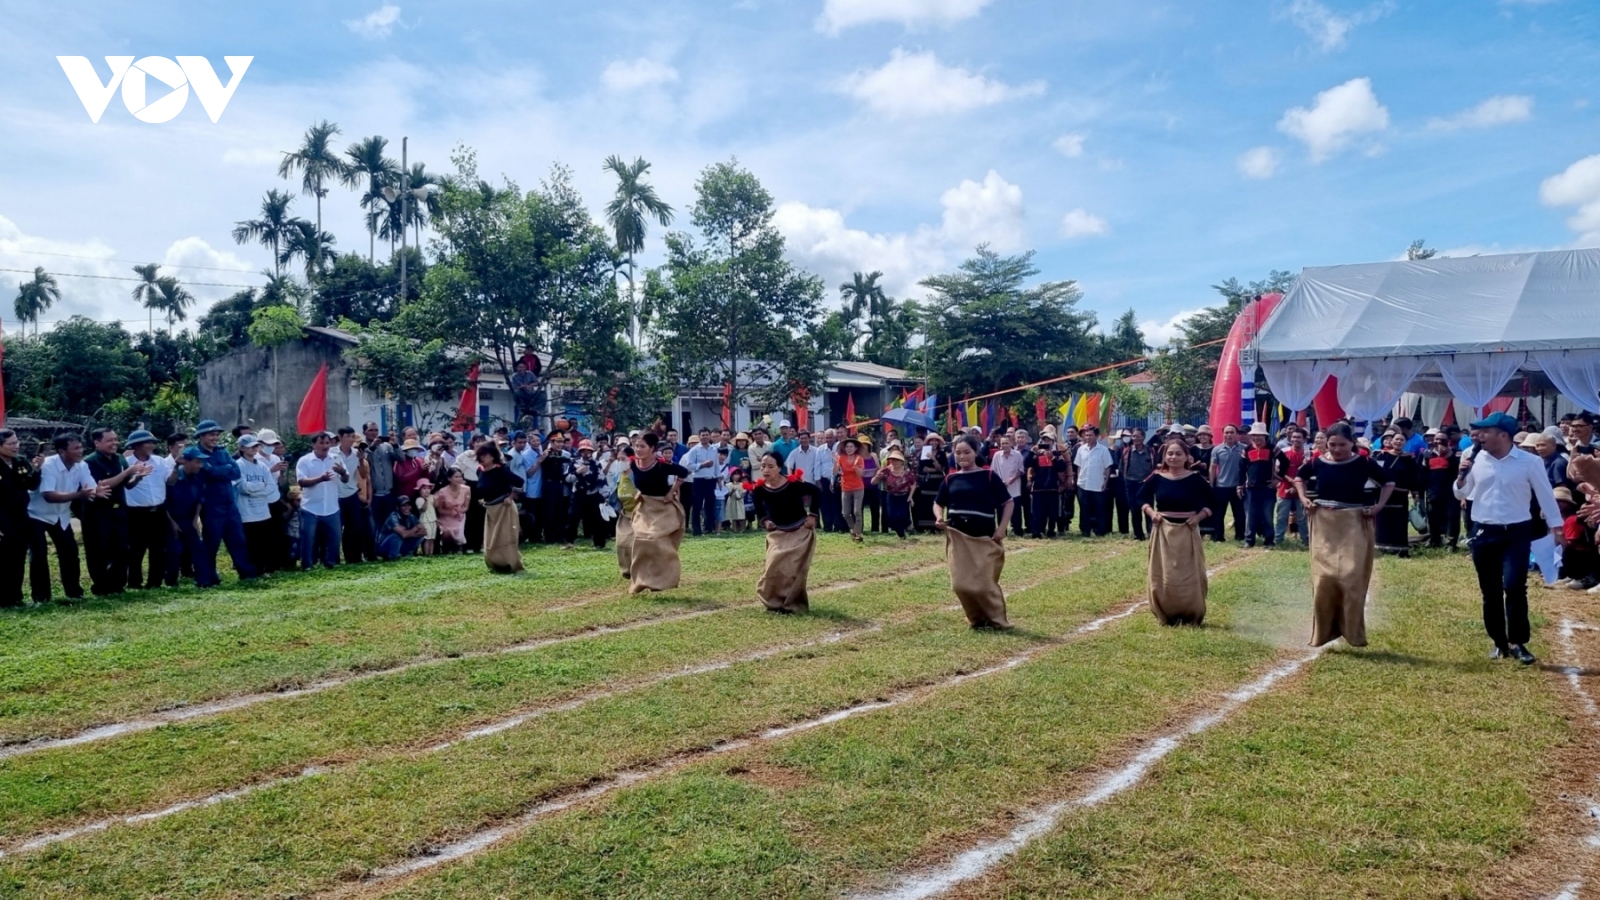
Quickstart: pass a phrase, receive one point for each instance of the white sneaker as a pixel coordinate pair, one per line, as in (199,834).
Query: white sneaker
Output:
(1557,584)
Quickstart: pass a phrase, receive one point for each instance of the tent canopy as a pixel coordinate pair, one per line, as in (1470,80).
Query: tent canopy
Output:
(1461,327)
(1478,304)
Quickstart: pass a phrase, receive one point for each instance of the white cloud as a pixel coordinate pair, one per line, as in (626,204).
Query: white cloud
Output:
(838,15)
(1578,186)
(1259,162)
(254,156)
(989,212)
(918,84)
(1338,115)
(1327,28)
(377,24)
(638,73)
(1158,333)
(1081,223)
(1069,145)
(1491,112)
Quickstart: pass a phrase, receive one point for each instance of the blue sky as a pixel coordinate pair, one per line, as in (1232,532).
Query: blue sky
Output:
(1146,150)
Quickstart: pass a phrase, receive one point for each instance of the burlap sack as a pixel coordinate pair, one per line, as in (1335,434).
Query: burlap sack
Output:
(783,581)
(500,533)
(975,566)
(1177,573)
(1341,569)
(657,533)
(625,545)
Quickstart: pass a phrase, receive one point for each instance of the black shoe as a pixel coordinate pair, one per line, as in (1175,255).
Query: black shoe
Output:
(1522,655)
(1500,651)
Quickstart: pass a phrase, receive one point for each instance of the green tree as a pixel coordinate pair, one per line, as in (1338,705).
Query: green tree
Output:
(316,163)
(147,292)
(35,297)
(353,288)
(1419,249)
(314,248)
(731,309)
(271,326)
(1126,340)
(227,322)
(990,329)
(92,364)
(273,229)
(367,170)
(172,299)
(633,204)
(396,365)
(1186,371)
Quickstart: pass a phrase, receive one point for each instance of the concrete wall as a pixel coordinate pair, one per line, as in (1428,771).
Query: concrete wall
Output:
(264,387)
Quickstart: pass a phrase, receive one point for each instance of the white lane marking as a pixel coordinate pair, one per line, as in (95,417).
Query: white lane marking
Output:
(1573,669)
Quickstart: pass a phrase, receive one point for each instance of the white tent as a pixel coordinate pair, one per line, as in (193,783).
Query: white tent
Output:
(1461,327)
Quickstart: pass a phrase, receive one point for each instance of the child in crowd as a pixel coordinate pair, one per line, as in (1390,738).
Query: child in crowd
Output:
(733,504)
(427,516)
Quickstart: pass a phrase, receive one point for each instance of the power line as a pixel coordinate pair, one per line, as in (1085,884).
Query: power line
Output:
(129,278)
(109,259)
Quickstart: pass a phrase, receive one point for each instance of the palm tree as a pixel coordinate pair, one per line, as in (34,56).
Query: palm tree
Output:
(368,170)
(172,300)
(420,212)
(863,294)
(633,203)
(316,163)
(35,297)
(315,248)
(148,291)
(273,229)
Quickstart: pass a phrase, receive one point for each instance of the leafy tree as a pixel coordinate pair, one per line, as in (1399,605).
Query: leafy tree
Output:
(394,364)
(274,228)
(147,292)
(313,247)
(35,297)
(228,321)
(989,329)
(367,170)
(1126,340)
(273,325)
(1186,373)
(316,162)
(885,335)
(92,364)
(731,309)
(1419,249)
(172,299)
(631,206)
(355,289)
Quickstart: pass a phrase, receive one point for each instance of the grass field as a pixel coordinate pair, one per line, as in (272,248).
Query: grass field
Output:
(425,729)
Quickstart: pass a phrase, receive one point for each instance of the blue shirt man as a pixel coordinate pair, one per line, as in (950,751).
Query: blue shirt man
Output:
(220,514)
(185,498)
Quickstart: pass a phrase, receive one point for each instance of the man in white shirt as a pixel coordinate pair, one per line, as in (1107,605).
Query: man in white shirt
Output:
(147,514)
(355,520)
(812,461)
(1009,464)
(319,474)
(1093,462)
(701,461)
(1503,482)
(63,479)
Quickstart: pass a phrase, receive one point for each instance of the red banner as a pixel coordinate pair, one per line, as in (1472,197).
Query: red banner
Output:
(313,415)
(467,411)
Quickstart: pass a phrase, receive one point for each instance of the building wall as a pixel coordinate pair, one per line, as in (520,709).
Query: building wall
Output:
(264,387)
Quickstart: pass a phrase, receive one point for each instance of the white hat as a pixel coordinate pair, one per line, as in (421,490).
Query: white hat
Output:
(1433,432)
(268,436)
(1261,429)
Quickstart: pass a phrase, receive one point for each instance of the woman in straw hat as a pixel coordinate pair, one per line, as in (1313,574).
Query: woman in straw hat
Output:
(852,487)
(898,485)
(1259,497)
(1342,538)
(1177,498)
(972,509)
(788,511)
(657,519)
(931,465)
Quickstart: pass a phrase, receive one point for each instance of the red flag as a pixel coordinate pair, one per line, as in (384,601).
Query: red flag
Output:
(467,412)
(727,405)
(1039,410)
(313,417)
(801,399)
(850,412)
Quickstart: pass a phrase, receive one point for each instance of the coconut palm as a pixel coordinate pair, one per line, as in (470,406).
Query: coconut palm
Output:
(315,162)
(633,203)
(273,229)
(172,299)
(148,291)
(368,170)
(863,294)
(35,297)
(313,247)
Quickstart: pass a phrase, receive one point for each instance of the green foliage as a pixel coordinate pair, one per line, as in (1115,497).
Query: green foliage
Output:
(91,364)
(730,309)
(989,330)
(1185,373)
(271,326)
(394,364)
(36,296)
(355,289)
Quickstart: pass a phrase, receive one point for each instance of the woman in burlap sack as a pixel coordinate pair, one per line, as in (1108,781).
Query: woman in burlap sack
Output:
(657,519)
(496,498)
(1177,498)
(1342,535)
(788,511)
(972,508)
(628,499)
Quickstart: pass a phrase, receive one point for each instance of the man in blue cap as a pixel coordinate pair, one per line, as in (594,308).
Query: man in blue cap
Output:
(1503,482)
(147,513)
(219,514)
(185,499)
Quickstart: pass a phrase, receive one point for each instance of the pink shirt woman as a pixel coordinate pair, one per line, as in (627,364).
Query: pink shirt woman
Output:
(451,503)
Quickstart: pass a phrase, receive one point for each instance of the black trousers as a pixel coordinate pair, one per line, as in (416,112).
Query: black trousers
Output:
(1130,504)
(355,524)
(105,547)
(14,543)
(1069,506)
(1227,498)
(1094,516)
(1119,503)
(598,530)
(149,532)
(1500,554)
(556,516)
(39,561)
(474,526)
(1046,509)
(265,543)
(1022,511)
(1444,518)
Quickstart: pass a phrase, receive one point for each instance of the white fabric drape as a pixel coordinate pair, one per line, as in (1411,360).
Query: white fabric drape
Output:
(1295,382)
(1478,377)
(1576,373)
(1369,387)
(1433,410)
